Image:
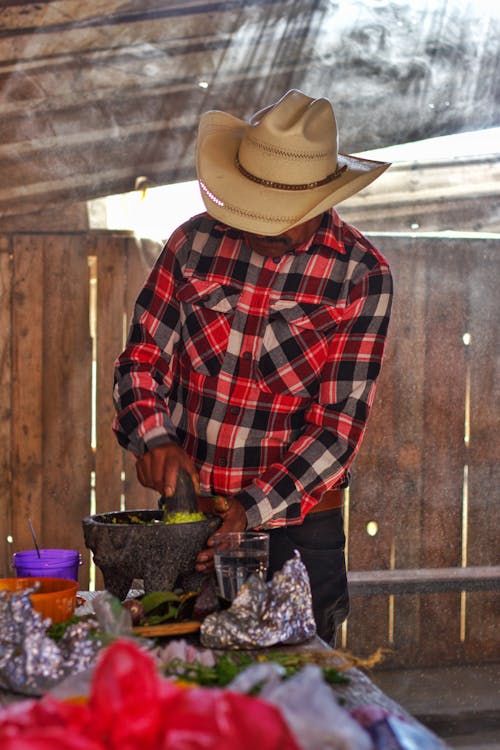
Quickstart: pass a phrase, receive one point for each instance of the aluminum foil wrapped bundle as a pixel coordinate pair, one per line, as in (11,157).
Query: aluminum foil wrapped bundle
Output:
(265,614)
(30,661)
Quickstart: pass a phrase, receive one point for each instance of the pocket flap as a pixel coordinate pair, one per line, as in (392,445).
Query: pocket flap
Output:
(208,294)
(305,315)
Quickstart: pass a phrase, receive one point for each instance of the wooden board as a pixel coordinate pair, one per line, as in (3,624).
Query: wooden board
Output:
(386,484)
(443,453)
(482,610)
(409,473)
(5,404)
(167,629)
(141,255)
(425,580)
(408,261)
(66,404)
(110,252)
(27,388)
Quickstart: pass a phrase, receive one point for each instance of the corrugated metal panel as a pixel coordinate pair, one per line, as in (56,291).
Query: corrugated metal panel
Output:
(94,94)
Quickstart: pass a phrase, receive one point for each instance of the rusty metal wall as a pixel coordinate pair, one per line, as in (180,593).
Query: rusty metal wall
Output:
(92,100)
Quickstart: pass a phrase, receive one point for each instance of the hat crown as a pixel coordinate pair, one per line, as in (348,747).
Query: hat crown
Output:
(294,141)
(278,169)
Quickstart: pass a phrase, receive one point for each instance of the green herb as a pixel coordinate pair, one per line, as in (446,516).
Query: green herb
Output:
(58,629)
(230,664)
(334,677)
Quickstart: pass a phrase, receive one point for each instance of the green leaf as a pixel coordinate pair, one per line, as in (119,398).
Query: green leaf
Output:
(156,599)
(170,613)
(333,677)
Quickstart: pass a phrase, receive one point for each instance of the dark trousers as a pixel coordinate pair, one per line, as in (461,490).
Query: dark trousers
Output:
(320,540)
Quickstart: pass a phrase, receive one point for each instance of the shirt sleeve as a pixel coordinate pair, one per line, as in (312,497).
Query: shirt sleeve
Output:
(142,377)
(335,423)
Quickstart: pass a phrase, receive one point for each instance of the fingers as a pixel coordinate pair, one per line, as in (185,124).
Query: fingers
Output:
(233,519)
(221,504)
(169,470)
(205,561)
(232,513)
(140,469)
(160,467)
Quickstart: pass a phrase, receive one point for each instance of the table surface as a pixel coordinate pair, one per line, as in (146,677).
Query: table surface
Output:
(359,691)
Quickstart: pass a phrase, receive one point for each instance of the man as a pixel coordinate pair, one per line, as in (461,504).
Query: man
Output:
(258,337)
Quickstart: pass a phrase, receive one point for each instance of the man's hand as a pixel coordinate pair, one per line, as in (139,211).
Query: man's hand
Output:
(159,467)
(233,519)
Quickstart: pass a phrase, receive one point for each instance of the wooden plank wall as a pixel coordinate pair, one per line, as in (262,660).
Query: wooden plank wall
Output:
(482,617)
(433,493)
(122,267)
(47,377)
(427,473)
(46,348)
(5,402)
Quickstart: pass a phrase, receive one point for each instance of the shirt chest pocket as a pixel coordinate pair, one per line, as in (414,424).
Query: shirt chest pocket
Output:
(206,314)
(295,347)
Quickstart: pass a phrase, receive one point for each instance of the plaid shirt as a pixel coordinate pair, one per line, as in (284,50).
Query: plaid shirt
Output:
(263,369)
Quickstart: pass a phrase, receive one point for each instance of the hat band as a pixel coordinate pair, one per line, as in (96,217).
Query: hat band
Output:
(285,186)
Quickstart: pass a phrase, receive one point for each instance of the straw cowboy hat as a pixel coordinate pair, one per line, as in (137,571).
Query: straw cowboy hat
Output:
(280,168)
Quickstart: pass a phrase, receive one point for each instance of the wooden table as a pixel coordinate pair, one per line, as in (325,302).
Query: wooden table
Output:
(359,691)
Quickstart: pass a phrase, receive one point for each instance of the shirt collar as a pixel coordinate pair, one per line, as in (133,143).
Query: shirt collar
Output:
(328,234)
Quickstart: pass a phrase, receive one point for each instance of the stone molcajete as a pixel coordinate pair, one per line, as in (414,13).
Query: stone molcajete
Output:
(138,544)
(162,555)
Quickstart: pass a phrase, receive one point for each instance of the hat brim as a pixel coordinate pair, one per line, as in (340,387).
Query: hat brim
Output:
(239,202)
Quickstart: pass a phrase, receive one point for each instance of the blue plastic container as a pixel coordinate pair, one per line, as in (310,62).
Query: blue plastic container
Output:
(52,563)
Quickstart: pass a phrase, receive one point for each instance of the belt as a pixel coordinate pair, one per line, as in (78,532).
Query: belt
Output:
(330,500)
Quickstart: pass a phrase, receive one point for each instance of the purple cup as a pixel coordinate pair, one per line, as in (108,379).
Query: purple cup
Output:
(52,563)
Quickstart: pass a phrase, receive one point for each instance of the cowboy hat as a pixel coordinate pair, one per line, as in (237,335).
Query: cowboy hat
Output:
(279,169)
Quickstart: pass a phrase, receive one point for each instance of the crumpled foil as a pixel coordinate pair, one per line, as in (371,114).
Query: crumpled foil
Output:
(30,661)
(264,614)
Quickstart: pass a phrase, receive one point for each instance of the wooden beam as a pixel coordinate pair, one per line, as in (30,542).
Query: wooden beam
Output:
(424,580)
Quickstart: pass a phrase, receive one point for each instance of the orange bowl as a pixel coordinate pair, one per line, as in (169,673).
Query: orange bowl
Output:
(55,598)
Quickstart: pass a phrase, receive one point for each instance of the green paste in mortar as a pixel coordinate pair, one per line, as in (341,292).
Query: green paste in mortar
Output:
(183,517)
(168,518)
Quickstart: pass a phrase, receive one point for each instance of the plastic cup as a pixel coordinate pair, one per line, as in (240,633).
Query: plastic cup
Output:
(237,555)
(52,563)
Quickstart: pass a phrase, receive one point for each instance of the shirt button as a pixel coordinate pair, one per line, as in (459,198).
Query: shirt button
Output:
(222,461)
(276,259)
(247,355)
(234,410)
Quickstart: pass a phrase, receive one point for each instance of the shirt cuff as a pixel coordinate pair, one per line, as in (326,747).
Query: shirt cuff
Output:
(261,511)
(151,439)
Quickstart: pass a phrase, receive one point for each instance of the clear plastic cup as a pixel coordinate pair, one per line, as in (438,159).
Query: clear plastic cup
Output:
(237,555)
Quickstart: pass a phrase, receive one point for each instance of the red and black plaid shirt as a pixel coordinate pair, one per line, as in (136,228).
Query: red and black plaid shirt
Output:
(263,369)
